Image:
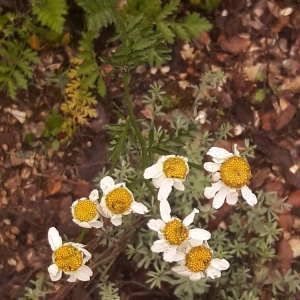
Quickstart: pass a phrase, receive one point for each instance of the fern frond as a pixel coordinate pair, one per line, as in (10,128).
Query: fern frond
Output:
(99,13)
(15,66)
(50,13)
(192,27)
(79,99)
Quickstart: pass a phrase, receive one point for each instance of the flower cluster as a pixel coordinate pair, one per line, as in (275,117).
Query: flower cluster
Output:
(185,245)
(178,240)
(70,258)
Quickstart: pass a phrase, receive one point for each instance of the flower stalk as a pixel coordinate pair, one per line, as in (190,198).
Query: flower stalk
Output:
(133,121)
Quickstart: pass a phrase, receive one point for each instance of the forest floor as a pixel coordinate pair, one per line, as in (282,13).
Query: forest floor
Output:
(258,49)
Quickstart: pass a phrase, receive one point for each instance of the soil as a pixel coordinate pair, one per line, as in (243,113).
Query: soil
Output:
(38,185)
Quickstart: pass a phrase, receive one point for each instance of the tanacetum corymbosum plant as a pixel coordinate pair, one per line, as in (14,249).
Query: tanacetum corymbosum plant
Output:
(163,225)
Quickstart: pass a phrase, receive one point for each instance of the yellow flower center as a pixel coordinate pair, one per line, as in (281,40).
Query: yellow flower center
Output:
(175,167)
(198,258)
(118,200)
(68,258)
(235,172)
(85,210)
(175,232)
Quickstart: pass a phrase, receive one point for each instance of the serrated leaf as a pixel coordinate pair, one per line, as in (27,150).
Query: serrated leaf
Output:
(168,10)
(166,32)
(50,13)
(101,88)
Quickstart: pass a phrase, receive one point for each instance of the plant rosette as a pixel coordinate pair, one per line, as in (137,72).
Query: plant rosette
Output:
(170,170)
(230,173)
(198,262)
(118,200)
(174,234)
(69,258)
(85,212)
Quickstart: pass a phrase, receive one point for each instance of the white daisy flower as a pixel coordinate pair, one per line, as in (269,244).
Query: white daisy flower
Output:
(85,213)
(170,170)
(198,262)
(231,173)
(174,233)
(69,258)
(118,200)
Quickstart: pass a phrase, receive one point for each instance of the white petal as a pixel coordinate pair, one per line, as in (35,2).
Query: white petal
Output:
(165,189)
(163,158)
(139,208)
(156,225)
(248,195)
(235,150)
(179,256)
(54,238)
(213,272)
(82,224)
(103,210)
(188,220)
(182,247)
(165,211)
(116,220)
(196,276)
(182,270)
(218,160)
(157,182)
(106,184)
(160,246)
(94,195)
(193,243)
(153,171)
(219,153)
(170,253)
(73,205)
(72,278)
(216,176)
(200,234)
(211,167)
(126,213)
(232,197)
(209,192)
(83,273)
(86,253)
(54,272)
(96,224)
(220,197)
(161,236)
(178,185)
(220,264)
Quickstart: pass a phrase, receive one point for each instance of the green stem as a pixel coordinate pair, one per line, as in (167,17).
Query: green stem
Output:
(118,149)
(126,79)
(82,233)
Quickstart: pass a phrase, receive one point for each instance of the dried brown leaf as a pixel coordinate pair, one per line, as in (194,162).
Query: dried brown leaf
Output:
(285,117)
(235,45)
(54,188)
(286,254)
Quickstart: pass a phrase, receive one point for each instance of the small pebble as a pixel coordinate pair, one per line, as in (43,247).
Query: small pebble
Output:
(165,69)
(12,262)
